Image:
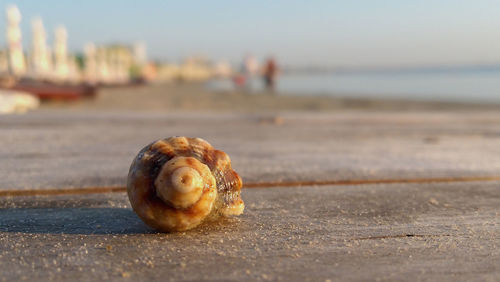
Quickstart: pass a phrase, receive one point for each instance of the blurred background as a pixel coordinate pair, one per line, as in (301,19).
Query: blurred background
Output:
(261,55)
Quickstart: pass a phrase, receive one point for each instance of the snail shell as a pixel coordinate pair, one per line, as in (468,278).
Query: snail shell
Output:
(175,183)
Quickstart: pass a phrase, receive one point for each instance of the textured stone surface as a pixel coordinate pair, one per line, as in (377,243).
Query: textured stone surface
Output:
(406,231)
(369,232)
(75,149)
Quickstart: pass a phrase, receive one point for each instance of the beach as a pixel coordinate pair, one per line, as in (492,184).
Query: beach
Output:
(179,97)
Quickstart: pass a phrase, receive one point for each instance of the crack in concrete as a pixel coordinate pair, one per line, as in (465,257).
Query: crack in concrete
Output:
(250,185)
(400,236)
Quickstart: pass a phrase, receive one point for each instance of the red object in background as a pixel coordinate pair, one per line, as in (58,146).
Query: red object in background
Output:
(239,80)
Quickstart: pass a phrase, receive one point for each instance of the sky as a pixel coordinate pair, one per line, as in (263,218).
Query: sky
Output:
(350,33)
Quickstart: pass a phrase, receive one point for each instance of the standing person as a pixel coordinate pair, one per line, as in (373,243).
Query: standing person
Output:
(270,74)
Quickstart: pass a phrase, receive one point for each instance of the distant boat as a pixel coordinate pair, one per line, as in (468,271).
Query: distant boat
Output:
(46,90)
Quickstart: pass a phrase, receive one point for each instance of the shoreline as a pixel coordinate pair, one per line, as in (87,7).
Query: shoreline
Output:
(196,97)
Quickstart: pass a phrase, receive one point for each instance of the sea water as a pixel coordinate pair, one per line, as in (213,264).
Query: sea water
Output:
(470,86)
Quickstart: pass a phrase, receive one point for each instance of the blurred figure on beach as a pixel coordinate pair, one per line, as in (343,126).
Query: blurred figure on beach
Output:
(248,69)
(270,72)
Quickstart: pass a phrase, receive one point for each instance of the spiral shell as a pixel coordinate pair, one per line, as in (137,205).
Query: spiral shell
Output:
(175,183)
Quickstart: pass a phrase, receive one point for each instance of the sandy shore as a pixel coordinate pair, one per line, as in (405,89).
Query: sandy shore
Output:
(195,97)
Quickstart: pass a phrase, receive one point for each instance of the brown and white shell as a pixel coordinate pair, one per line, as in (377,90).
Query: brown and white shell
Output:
(175,183)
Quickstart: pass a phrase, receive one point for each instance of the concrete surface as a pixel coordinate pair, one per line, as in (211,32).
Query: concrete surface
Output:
(424,231)
(63,149)
(443,232)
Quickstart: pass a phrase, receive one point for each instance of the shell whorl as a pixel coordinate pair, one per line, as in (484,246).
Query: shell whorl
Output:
(181,181)
(175,183)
